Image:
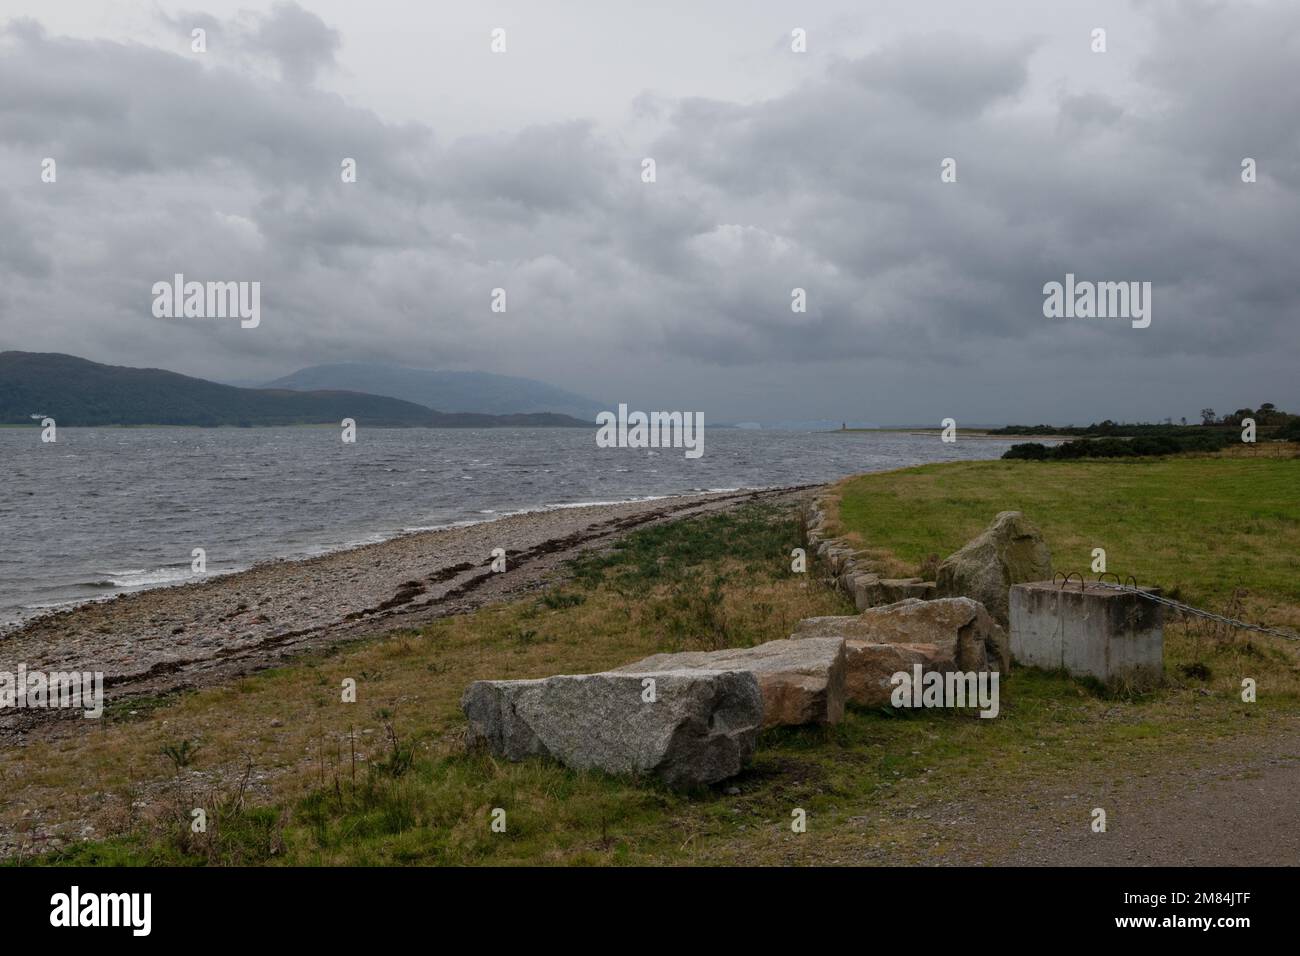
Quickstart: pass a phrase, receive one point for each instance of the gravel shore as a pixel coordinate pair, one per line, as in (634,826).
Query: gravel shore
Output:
(213,630)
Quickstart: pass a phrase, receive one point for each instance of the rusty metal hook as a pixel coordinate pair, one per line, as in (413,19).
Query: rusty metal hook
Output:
(1082,583)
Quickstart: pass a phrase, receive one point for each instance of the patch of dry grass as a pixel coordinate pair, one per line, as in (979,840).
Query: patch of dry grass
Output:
(291,725)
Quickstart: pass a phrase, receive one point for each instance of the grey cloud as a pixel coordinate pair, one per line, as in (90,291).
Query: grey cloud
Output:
(1090,108)
(130,110)
(946,74)
(561,167)
(211,168)
(300,41)
(1226,81)
(297,41)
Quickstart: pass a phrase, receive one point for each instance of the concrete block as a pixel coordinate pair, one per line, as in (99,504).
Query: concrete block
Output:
(1095,631)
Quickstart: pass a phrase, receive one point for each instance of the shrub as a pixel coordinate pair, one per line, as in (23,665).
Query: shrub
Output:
(1141,446)
(1032,451)
(1290,431)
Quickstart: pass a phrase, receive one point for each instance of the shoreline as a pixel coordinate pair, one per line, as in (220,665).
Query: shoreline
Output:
(162,639)
(963,433)
(12,625)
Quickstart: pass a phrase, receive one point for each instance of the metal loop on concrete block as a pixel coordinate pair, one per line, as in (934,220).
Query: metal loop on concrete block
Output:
(1073,574)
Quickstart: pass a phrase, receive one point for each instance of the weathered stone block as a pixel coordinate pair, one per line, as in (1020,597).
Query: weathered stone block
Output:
(837,556)
(874,591)
(961,628)
(943,635)
(1007,552)
(865,590)
(802,682)
(869,667)
(700,728)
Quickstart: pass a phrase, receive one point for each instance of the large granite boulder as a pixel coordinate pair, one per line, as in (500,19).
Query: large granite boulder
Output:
(871,667)
(1009,551)
(962,629)
(700,727)
(949,634)
(802,681)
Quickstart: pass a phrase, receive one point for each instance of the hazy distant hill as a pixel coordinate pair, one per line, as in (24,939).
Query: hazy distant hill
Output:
(74,391)
(446,391)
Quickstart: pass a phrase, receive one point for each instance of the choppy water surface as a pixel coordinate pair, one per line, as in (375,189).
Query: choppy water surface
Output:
(104,510)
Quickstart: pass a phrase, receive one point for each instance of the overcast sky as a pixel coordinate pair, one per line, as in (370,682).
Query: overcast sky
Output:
(775,170)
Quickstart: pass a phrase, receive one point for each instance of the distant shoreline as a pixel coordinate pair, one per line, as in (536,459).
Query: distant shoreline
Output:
(979,433)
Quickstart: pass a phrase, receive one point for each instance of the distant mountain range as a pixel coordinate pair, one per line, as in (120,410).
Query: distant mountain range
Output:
(74,391)
(446,391)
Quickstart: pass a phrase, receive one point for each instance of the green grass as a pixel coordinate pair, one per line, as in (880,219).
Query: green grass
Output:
(759,537)
(417,796)
(438,812)
(1203,526)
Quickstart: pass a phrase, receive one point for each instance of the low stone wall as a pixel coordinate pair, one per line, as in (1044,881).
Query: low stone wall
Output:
(1114,636)
(854,571)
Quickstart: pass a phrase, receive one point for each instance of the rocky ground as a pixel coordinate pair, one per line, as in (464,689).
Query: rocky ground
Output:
(158,641)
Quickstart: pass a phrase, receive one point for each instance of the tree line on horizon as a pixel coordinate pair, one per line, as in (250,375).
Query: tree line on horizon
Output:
(1267,417)
(1109,439)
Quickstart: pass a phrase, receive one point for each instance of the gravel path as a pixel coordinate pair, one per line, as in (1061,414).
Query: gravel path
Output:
(209,632)
(1232,802)
(1240,806)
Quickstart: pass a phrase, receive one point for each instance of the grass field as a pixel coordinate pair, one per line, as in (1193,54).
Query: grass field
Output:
(288,774)
(1201,527)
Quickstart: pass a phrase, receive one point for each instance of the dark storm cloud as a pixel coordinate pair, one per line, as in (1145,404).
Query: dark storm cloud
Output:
(172,161)
(131,110)
(847,175)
